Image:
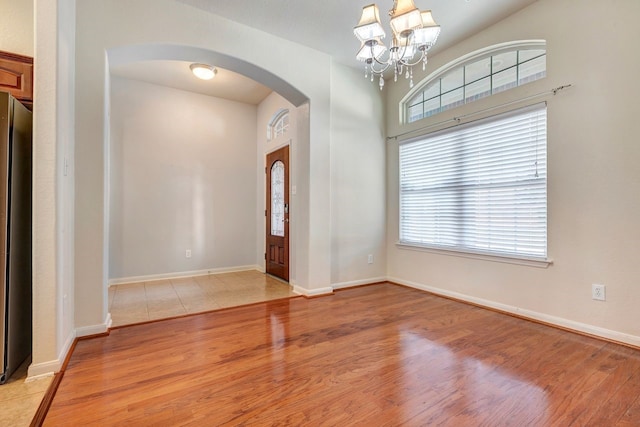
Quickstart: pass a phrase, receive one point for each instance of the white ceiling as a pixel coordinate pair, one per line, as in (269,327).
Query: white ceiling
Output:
(325,25)
(176,74)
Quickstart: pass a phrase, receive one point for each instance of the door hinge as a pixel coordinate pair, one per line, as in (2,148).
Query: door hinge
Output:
(265,255)
(265,169)
(265,212)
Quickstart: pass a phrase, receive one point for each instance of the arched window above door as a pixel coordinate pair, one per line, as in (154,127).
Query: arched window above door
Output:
(474,76)
(278,124)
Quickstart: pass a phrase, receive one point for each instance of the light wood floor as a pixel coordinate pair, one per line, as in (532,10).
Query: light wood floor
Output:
(19,400)
(141,302)
(380,355)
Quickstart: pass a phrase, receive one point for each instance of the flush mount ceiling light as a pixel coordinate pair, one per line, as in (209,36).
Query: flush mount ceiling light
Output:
(203,71)
(413,32)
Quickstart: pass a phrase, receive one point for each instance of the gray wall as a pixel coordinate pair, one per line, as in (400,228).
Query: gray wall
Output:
(182,176)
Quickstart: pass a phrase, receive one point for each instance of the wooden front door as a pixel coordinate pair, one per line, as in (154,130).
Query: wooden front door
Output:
(277,212)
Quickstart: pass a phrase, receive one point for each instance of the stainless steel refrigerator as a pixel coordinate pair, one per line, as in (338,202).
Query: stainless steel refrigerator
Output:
(15,235)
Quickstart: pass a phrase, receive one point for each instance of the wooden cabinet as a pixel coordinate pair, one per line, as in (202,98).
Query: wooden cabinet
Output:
(16,77)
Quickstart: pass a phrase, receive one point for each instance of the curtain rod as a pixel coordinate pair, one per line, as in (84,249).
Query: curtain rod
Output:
(458,119)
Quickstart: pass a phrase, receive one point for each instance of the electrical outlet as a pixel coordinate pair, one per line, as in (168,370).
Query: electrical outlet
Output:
(370,259)
(187,253)
(598,292)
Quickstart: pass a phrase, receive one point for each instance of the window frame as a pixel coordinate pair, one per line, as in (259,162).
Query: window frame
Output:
(460,63)
(276,123)
(467,252)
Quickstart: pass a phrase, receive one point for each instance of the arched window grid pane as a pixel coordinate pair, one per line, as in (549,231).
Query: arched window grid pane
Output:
(468,82)
(278,125)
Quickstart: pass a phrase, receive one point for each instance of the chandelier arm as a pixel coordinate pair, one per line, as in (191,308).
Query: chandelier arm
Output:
(384,67)
(404,50)
(408,64)
(385,64)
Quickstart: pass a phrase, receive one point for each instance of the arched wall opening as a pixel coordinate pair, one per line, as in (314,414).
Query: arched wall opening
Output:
(149,250)
(152,28)
(155,51)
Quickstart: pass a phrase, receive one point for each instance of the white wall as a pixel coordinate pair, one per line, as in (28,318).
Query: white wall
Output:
(182,177)
(358,174)
(53,198)
(357,159)
(593,174)
(16,27)
(65,202)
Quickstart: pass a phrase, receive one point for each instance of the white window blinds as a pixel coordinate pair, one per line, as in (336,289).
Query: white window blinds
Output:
(479,187)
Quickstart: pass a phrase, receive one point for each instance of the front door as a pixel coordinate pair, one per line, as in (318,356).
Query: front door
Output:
(277,213)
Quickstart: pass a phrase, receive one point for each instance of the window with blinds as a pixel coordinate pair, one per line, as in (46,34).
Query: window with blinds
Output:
(478,188)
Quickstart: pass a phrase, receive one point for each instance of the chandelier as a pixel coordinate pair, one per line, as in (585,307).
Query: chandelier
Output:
(414,33)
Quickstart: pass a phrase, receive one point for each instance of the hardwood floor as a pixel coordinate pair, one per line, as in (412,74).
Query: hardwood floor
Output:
(375,355)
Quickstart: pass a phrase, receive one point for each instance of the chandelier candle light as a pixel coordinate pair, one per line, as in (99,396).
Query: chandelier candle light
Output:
(414,31)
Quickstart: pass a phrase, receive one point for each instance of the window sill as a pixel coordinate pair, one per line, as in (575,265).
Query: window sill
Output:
(529,262)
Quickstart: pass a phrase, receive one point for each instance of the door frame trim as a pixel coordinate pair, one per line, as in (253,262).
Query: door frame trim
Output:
(289,145)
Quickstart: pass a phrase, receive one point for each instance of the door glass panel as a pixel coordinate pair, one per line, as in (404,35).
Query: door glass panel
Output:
(277,199)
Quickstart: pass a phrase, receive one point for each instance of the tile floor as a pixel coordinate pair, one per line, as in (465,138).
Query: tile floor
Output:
(19,400)
(140,302)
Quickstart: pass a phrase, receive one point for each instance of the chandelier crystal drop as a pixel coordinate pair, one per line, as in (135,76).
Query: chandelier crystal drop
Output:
(414,32)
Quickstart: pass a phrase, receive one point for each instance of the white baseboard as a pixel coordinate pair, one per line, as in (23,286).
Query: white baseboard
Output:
(329,290)
(177,275)
(44,369)
(47,369)
(38,377)
(312,292)
(67,345)
(95,329)
(351,284)
(529,314)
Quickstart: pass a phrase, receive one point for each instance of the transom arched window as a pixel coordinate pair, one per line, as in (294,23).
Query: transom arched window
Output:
(278,125)
(475,76)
